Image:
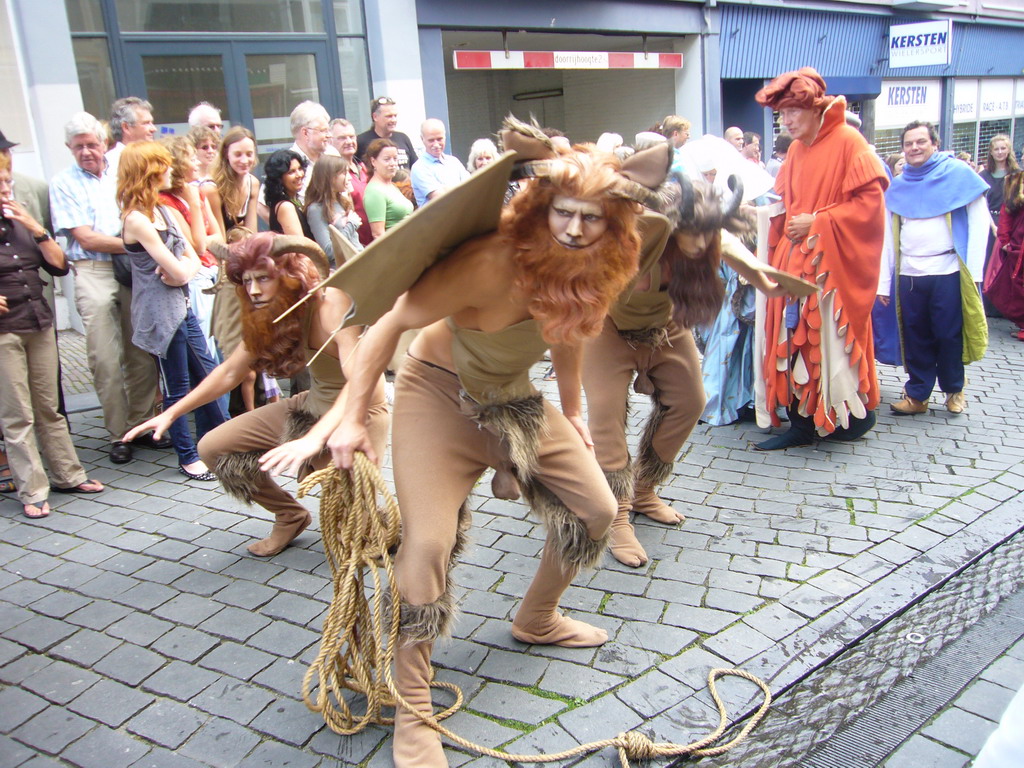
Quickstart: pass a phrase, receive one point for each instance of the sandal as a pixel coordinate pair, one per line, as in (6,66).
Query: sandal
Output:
(205,477)
(7,486)
(83,487)
(36,511)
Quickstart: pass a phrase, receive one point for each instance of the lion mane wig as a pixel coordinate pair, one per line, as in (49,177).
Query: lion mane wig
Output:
(570,290)
(278,349)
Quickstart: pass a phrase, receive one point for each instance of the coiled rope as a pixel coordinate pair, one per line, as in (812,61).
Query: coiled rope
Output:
(359,520)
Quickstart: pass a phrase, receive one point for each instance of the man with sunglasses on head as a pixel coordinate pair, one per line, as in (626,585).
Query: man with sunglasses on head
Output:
(384,113)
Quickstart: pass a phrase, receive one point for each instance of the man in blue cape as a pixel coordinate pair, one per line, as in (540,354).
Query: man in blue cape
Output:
(940,229)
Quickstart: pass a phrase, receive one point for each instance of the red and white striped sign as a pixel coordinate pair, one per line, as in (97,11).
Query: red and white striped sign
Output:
(566,60)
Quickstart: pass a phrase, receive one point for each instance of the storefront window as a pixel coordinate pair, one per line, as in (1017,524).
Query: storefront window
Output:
(988,129)
(276,84)
(84,15)
(355,81)
(94,75)
(220,16)
(965,138)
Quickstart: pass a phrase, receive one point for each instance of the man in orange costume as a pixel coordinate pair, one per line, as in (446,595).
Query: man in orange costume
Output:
(819,356)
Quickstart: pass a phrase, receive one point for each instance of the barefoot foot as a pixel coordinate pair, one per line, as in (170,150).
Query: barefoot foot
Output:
(37,511)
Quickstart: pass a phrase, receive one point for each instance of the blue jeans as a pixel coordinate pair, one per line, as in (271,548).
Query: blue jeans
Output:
(186,363)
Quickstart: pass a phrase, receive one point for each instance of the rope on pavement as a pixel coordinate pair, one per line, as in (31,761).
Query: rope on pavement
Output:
(360,632)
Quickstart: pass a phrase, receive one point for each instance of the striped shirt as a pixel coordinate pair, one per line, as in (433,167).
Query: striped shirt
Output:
(79,199)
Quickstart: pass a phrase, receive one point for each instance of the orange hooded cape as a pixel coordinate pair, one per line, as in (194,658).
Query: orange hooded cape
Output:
(838,178)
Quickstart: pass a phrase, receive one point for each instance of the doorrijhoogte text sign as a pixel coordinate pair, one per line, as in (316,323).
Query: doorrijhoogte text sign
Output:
(920,45)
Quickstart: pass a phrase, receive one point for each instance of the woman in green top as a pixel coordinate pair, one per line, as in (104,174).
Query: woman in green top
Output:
(385,205)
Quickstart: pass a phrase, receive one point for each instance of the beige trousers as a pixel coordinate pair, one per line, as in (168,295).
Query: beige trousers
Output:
(609,363)
(29,418)
(124,375)
(439,453)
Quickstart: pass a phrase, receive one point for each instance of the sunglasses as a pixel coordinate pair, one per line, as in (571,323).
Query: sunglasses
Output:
(384,101)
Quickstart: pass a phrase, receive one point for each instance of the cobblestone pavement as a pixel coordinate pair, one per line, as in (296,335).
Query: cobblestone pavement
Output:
(135,630)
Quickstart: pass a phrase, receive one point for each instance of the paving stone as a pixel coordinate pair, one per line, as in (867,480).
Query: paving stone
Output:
(25,592)
(810,601)
(234,624)
(738,643)
(234,700)
(52,730)
(110,703)
(98,615)
(298,610)
(284,639)
(12,753)
(236,660)
(84,648)
(126,563)
(289,721)
(961,730)
(162,571)
(775,621)
(166,723)
(346,750)
(985,699)
(106,748)
(17,706)
(590,722)
(548,739)
(58,604)
(21,668)
(190,610)
(652,693)
(511,667)
(698,619)
(919,752)
(284,676)
(245,594)
(659,638)
(202,583)
(691,667)
(172,550)
(502,701)
(1006,671)
(32,565)
(273,755)
(180,681)
(140,628)
(185,644)
(221,743)
(734,602)
(40,633)
(576,681)
(619,659)
(130,664)
(60,682)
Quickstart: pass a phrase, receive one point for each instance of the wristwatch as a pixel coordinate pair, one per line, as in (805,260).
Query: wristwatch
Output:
(43,237)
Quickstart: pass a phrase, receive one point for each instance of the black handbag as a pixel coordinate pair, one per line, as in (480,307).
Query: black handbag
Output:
(122,263)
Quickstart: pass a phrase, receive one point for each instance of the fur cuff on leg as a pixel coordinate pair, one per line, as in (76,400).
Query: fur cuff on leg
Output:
(240,473)
(429,621)
(622,482)
(568,533)
(518,423)
(461,536)
(651,471)
(298,423)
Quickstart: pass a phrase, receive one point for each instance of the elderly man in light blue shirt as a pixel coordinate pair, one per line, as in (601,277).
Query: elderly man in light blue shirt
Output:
(435,172)
(84,210)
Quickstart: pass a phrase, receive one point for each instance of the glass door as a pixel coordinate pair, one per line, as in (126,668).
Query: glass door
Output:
(254,84)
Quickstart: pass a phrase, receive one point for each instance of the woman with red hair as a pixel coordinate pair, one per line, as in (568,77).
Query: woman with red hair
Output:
(163,263)
(270,273)
(819,360)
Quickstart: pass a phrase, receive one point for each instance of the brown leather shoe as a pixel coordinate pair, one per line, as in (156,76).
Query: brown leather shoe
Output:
(908,406)
(956,402)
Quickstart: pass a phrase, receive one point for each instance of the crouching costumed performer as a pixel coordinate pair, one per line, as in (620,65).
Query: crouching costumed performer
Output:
(271,273)
(564,249)
(647,333)
(819,357)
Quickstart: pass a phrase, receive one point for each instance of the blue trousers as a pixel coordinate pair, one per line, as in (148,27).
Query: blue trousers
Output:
(932,323)
(186,363)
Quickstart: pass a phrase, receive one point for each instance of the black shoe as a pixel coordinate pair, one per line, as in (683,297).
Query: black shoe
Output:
(858,428)
(791,438)
(205,477)
(120,453)
(148,441)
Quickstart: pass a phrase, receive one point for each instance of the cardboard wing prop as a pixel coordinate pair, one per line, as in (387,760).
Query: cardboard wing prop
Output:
(391,264)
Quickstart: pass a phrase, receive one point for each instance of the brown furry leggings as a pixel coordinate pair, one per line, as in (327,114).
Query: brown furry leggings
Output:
(609,363)
(249,435)
(439,453)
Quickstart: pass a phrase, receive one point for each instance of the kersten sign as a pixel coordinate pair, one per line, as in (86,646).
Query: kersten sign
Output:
(920,45)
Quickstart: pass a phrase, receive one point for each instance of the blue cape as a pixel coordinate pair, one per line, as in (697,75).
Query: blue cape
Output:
(941,185)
